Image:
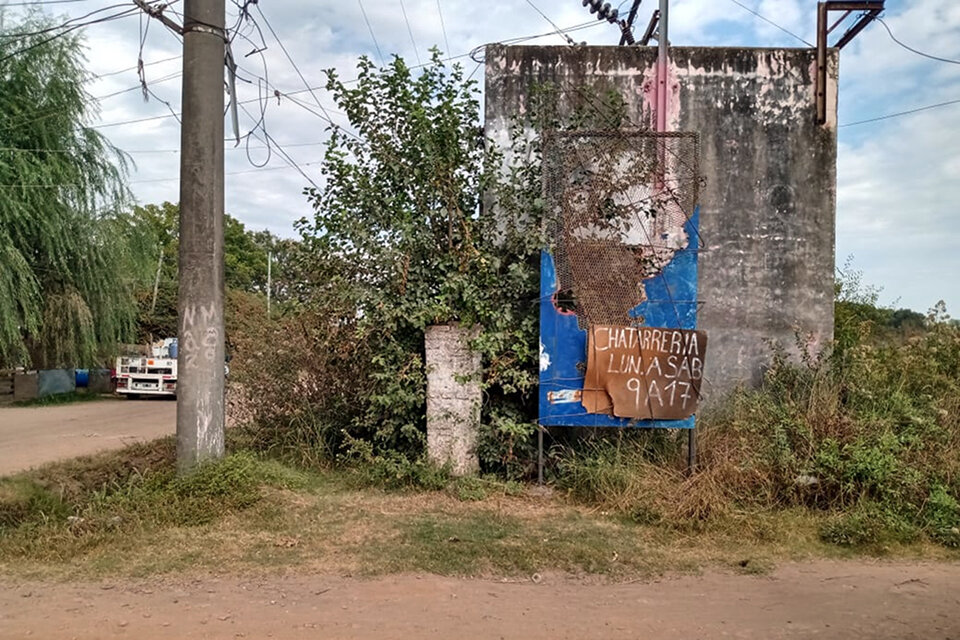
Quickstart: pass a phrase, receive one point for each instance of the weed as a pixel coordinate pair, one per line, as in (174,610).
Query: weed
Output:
(392,469)
(23,498)
(868,524)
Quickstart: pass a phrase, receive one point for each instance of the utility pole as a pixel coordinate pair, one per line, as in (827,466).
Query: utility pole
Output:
(269,280)
(156,281)
(663,53)
(200,378)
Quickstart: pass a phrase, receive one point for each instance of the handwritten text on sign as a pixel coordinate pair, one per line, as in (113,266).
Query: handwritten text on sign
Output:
(643,373)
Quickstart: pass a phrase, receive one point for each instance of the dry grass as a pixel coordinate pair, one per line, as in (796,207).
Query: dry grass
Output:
(303,521)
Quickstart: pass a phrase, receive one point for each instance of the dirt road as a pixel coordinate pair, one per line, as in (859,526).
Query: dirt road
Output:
(823,600)
(30,436)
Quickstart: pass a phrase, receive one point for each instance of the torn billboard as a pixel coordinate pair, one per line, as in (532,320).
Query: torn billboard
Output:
(623,224)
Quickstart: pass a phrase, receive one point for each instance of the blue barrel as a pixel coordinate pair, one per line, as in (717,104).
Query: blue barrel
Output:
(82,377)
(173,349)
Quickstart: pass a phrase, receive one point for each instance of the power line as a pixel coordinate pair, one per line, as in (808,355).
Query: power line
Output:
(40,32)
(290,58)
(911,49)
(578,27)
(132,151)
(40,2)
(552,23)
(169,76)
(410,31)
(901,113)
(270,142)
(155,180)
(65,30)
(771,22)
(443,27)
(370,28)
(135,67)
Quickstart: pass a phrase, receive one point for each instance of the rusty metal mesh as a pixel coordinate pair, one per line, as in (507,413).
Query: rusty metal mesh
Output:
(616,204)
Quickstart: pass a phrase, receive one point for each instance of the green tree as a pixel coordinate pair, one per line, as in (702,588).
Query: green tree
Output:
(156,229)
(245,261)
(66,274)
(405,235)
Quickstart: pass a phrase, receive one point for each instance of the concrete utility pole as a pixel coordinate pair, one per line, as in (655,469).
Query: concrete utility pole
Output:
(663,57)
(200,380)
(269,283)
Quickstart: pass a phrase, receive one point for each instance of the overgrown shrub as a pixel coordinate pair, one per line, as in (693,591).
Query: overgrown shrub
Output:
(868,435)
(417,223)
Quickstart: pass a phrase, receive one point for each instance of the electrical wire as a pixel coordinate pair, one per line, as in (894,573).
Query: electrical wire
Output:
(410,31)
(911,49)
(290,59)
(519,39)
(40,32)
(383,62)
(154,180)
(138,151)
(39,2)
(68,29)
(771,22)
(559,31)
(901,113)
(283,154)
(443,27)
(134,67)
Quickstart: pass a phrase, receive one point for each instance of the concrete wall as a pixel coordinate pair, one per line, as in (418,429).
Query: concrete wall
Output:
(768,206)
(453,398)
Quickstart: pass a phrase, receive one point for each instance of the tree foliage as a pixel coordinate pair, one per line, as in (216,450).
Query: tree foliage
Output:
(416,224)
(155,229)
(65,279)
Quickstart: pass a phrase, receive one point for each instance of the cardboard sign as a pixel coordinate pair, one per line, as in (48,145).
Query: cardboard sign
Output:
(643,372)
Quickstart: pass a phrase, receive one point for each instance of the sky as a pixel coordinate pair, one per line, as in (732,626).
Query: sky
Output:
(898,178)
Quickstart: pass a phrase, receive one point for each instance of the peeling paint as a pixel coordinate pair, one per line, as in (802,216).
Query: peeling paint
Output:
(768,208)
(544,358)
(564,396)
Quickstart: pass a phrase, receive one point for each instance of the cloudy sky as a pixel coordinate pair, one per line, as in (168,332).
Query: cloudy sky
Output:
(898,178)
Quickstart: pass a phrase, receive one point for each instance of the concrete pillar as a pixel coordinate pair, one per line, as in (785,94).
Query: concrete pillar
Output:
(453,397)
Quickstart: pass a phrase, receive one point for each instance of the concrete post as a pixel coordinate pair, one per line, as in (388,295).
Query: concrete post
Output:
(453,397)
(200,378)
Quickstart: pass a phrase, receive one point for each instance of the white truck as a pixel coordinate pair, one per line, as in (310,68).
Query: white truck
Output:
(154,374)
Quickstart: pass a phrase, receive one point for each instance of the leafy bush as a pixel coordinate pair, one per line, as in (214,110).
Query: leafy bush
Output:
(415,225)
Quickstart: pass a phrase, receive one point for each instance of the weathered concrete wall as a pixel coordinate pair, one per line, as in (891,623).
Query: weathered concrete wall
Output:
(453,398)
(767,210)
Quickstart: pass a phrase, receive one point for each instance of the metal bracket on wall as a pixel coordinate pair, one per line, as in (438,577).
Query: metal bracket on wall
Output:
(870,8)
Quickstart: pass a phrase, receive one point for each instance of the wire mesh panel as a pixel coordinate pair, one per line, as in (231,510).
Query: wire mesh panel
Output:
(623,228)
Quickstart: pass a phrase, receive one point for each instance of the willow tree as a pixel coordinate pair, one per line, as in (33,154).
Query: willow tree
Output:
(66,268)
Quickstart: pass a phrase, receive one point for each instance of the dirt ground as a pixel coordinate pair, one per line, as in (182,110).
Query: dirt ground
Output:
(30,436)
(825,599)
